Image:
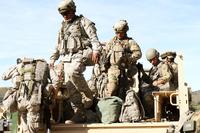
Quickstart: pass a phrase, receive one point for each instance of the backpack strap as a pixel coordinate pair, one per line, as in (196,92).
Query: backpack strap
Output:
(24,76)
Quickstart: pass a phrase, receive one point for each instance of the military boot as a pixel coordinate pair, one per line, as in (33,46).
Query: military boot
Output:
(79,117)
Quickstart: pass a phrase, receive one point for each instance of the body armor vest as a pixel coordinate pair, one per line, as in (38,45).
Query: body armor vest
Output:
(73,36)
(120,52)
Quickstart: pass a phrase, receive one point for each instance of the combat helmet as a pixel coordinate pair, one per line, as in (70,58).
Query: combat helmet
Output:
(66,5)
(151,53)
(121,26)
(168,54)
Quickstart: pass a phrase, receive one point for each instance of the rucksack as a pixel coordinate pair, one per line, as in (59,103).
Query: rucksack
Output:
(108,109)
(101,83)
(132,110)
(33,71)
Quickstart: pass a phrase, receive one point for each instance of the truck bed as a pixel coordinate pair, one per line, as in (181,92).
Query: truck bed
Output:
(142,127)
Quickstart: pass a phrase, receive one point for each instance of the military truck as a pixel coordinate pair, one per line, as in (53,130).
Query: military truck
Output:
(187,122)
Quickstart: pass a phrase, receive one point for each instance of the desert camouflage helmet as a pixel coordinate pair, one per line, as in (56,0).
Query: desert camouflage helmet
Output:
(121,26)
(66,5)
(151,53)
(168,54)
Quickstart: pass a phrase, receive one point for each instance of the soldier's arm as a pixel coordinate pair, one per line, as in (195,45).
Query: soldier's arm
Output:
(166,75)
(9,73)
(91,32)
(55,55)
(135,50)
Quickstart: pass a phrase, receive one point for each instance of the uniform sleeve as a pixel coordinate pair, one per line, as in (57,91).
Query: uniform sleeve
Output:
(90,30)
(55,55)
(135,49)
(166,73)
(9,73)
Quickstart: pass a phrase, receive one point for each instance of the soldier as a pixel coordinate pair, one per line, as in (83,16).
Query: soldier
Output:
(158,79)
(32,80)
(168,57)
(78,45)
(160,73)
(123,52)
(9,100)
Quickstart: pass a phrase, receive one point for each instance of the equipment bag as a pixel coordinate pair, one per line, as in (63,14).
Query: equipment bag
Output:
(33,71)
(132,110)
(108,109)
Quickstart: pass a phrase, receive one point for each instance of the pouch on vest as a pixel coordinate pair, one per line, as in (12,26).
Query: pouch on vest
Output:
(117,54)
(32,71)
(108,109)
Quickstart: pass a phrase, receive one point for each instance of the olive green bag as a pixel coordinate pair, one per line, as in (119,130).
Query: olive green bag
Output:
(109,108)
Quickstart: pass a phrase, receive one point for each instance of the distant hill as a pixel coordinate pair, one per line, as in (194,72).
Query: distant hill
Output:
(196,97)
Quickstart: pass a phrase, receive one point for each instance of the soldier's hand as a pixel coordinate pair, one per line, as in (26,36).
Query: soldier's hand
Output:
(95,57)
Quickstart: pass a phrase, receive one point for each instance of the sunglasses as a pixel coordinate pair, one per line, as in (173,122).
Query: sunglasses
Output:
(64,13)
(152,59)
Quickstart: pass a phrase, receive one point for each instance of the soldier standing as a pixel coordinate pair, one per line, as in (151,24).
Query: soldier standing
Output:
(78,46)
(123,54)
(32,78)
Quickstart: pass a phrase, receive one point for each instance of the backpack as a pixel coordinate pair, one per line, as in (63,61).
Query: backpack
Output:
(132,110)
(108,109)
(33,71)
(101,83)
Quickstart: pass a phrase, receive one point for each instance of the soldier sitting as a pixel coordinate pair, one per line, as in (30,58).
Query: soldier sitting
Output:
(168,58)
(158,79)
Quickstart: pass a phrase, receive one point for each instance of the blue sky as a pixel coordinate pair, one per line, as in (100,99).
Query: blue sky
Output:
(28,28)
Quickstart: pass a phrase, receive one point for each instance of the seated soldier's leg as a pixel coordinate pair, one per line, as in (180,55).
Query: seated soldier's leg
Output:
(147,101)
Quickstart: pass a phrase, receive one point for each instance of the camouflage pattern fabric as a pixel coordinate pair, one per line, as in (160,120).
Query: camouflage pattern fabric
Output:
(132,109)
(123,54)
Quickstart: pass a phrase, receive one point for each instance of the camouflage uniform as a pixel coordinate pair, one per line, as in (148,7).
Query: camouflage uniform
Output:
(159,78)
(32,78)
(9,100)
(77,41)
(168,58)
(123,53)
(12,74)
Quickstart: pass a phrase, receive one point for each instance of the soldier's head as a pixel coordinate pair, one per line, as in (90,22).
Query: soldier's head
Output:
(152,56)
(120,28)
(168,56)
(67,9)
(19,60)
